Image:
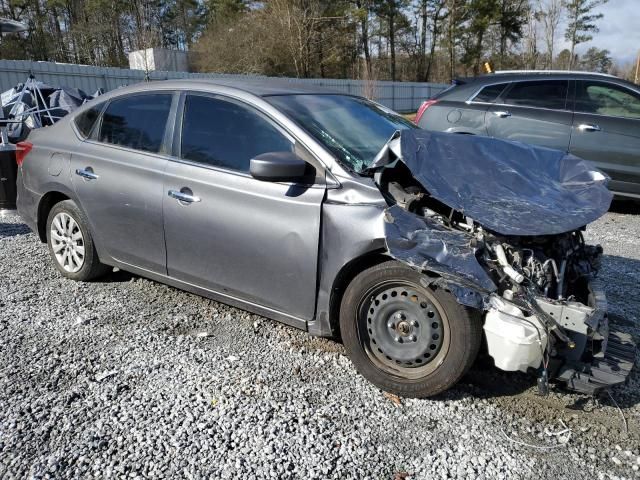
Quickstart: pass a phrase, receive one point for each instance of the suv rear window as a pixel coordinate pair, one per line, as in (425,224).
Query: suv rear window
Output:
(489,94)
(541,94)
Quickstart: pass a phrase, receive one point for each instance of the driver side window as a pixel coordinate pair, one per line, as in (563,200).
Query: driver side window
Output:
(607,99)
(227,134)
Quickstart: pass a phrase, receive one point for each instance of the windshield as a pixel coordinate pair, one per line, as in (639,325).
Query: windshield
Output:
(352,128)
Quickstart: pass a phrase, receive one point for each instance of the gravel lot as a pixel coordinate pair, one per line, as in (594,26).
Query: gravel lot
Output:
(129,378)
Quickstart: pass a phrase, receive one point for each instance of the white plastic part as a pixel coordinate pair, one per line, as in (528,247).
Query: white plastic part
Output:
(515,342)
(508,269)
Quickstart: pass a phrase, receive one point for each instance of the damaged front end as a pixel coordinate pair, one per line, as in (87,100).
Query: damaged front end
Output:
(499,224)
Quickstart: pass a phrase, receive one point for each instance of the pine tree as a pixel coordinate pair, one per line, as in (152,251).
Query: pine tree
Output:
(581,23)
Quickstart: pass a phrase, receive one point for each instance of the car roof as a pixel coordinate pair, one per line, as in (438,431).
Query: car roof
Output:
(260,87)
(466,86)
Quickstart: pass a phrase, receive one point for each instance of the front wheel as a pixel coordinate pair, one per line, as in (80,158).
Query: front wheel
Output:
(407,339)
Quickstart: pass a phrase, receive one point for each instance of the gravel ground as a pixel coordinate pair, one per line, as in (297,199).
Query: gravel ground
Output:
(129,378)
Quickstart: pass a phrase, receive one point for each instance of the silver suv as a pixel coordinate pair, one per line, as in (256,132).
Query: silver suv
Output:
(593,116)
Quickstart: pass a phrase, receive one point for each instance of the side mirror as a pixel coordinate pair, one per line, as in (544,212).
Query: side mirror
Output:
(278,167)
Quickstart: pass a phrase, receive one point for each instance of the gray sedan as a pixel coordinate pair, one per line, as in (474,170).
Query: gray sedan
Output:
(333,214)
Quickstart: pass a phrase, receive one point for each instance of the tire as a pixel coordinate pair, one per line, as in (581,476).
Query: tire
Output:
(416,341)
(70,243)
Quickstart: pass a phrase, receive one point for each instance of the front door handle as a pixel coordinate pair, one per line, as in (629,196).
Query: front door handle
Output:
(87,173)
(589,127)
(184,196)
(502,113)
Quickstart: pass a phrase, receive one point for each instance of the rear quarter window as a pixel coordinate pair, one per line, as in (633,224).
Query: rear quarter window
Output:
(490,93)
(87,119)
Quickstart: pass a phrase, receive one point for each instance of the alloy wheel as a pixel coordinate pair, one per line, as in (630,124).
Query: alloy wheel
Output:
(67,242)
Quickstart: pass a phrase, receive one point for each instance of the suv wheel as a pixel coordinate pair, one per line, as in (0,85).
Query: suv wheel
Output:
(405,338)
(70,243)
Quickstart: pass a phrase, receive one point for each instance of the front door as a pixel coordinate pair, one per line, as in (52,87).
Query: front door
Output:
(606,130)
(118,176)
(534,112)
(228,232)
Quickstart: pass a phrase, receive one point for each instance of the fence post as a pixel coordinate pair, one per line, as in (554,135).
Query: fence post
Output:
(393,96)
(413,97)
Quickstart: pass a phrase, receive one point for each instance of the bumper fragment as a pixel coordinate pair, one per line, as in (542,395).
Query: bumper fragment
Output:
(610,367)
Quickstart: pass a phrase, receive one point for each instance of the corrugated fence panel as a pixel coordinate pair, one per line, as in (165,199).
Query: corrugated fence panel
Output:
(400,96)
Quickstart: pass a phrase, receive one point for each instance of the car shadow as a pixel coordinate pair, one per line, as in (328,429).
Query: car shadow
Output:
(13,229)
(116,276)
(631,207)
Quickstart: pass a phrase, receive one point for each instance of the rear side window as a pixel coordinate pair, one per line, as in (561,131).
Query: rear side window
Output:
(607,99)
(541,94)
(227,134)
(136,121)
(490,93)
(87,119)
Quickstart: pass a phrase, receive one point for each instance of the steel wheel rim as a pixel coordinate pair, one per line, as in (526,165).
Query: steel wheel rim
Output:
(406,333)
(67,242)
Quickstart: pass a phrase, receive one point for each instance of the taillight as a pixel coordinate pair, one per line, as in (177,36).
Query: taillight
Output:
(423,108)
(22,150)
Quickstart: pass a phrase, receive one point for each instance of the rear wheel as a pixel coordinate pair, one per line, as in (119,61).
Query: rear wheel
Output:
(407,339)
(70,243)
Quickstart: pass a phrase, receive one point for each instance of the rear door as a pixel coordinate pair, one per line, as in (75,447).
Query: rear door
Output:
(117,174)
(238,236)
(606,130)
(535,112)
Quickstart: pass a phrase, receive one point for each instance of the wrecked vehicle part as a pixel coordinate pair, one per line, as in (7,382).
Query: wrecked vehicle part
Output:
(361,223)
(515,341)
(428,246)
(507,187)
(523,262)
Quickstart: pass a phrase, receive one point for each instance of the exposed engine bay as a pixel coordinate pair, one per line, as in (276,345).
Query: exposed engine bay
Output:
(544,310)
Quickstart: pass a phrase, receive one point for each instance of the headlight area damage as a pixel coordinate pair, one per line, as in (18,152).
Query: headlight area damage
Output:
(499,224)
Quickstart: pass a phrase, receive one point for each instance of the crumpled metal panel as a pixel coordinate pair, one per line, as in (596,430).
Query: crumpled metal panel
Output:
(508,187)
(425,244)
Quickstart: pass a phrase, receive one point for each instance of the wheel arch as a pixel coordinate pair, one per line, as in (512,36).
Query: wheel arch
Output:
(350,271)
(345,276)
(45,205)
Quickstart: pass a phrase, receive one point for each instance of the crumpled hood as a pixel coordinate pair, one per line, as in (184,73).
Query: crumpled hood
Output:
(508,187)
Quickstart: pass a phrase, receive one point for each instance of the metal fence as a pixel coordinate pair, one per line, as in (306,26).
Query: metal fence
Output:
(400,96)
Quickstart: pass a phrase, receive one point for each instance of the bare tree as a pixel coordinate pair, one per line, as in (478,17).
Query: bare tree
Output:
(530,52)
(550,13)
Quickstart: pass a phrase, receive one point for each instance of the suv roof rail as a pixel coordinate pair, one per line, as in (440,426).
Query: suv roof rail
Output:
(572,72)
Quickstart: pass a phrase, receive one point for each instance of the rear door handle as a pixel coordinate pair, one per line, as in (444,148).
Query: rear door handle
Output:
(502,114)
(87,173)
(183,196)
(589,127)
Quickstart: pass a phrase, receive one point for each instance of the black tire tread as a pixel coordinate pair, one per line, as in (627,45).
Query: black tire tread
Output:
(465,322)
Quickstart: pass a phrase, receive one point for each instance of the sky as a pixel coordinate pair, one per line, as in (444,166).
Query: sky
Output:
(619,31)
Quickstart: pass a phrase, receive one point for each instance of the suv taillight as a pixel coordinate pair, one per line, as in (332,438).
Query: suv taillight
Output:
(22,150)
(423,108)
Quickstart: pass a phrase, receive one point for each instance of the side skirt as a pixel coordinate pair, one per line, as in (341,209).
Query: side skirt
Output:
(213,295)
